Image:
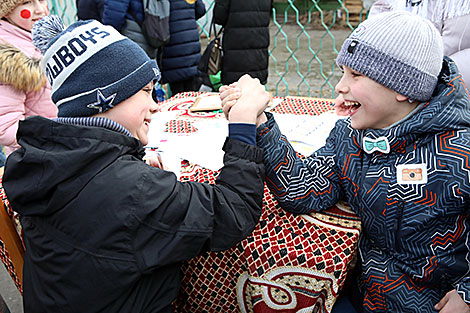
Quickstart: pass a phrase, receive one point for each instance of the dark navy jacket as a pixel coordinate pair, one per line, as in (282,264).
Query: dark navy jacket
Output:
(90,9)
(182,54)
(104,231)
(415,240)
(116,11)
(246,38)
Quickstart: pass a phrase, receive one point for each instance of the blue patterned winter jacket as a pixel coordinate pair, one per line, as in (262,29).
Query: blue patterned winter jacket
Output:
(413,201)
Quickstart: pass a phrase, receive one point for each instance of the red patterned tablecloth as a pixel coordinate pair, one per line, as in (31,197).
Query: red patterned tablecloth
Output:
(288,264)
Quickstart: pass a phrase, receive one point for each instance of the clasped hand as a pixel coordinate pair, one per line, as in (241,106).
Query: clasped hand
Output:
(245,100)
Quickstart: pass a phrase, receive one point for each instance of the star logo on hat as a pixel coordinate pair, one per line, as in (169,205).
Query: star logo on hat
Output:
(102,103)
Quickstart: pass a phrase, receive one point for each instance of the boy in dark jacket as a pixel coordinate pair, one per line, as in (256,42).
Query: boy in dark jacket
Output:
(401,159)
(104,231)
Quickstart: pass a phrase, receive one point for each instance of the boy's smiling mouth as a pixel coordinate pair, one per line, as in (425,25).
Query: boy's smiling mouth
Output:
(352,106)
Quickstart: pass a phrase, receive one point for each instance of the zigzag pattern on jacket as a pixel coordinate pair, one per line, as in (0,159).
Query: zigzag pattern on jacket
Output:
(415,242)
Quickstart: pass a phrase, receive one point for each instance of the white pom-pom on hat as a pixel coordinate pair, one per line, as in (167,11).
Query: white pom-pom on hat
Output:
(45,30)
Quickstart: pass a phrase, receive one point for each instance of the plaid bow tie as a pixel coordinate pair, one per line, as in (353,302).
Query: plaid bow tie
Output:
(380,144)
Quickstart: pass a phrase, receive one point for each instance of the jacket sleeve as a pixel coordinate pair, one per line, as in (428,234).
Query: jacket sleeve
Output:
(457,43)
(300,186)
(12,110)
(178,221)
(200,9)
(463,289)
(221,11)
(114,13)
(100,8)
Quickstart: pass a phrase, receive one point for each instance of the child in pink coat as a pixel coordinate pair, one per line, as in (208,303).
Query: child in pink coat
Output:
(24,90)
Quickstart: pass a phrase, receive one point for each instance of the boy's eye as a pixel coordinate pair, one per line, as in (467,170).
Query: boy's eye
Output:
(355,74)
(148,90)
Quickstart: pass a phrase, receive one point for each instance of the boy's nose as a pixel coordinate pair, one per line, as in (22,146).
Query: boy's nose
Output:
(341,87)
(154,108)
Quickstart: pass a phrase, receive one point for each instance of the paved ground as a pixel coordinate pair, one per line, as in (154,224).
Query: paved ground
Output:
(306,72)
(9,292)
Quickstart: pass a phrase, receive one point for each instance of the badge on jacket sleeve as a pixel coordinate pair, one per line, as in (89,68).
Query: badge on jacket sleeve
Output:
(412,174)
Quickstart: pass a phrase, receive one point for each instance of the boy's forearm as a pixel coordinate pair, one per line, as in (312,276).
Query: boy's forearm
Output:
(298,185)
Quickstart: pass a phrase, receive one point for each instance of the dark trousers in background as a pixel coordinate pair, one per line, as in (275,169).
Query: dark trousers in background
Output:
(191,84)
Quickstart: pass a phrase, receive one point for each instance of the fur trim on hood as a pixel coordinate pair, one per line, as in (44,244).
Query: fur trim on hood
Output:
(19,70)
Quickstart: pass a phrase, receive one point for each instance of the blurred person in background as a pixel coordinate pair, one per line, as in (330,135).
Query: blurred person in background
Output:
(451,18)
(24,90)
(90,9)
(245,38)
(181,55)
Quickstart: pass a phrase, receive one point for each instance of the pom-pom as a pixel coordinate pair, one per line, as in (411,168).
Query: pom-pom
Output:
(45,30)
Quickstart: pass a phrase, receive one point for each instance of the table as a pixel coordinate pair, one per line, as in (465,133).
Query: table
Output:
(289,263)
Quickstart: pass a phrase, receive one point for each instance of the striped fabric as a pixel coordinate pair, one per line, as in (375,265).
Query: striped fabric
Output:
(94,122)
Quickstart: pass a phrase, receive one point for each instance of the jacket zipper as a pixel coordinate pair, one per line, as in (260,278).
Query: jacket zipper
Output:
(398,245)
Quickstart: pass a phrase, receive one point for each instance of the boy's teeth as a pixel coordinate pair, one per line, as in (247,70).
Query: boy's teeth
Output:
(350,103)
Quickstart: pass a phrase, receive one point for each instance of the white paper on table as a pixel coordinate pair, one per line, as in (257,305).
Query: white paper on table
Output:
(203,147)
(157,134)
(306,133)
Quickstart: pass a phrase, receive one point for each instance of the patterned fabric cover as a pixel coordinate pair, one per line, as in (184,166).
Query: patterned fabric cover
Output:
(289,264)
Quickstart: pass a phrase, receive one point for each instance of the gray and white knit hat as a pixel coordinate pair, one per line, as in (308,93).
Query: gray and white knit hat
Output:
(399,50)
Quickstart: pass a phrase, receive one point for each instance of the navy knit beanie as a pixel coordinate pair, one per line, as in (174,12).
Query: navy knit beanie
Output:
(401,51)
(90,67)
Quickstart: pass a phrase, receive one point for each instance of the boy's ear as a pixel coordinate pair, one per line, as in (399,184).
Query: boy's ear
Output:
(401,98)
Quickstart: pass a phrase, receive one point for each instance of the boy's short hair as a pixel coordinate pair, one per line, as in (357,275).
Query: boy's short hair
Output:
(401,51)
(91,67)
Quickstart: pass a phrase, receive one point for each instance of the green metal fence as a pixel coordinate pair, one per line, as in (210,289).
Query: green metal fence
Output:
(306,36)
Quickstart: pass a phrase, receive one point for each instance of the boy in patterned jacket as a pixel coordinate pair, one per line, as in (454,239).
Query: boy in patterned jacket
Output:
(401,159)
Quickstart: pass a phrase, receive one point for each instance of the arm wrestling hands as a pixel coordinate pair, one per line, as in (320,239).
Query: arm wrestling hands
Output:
(245,101)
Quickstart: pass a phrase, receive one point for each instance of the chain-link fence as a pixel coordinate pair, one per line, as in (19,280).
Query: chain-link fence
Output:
(306,36)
